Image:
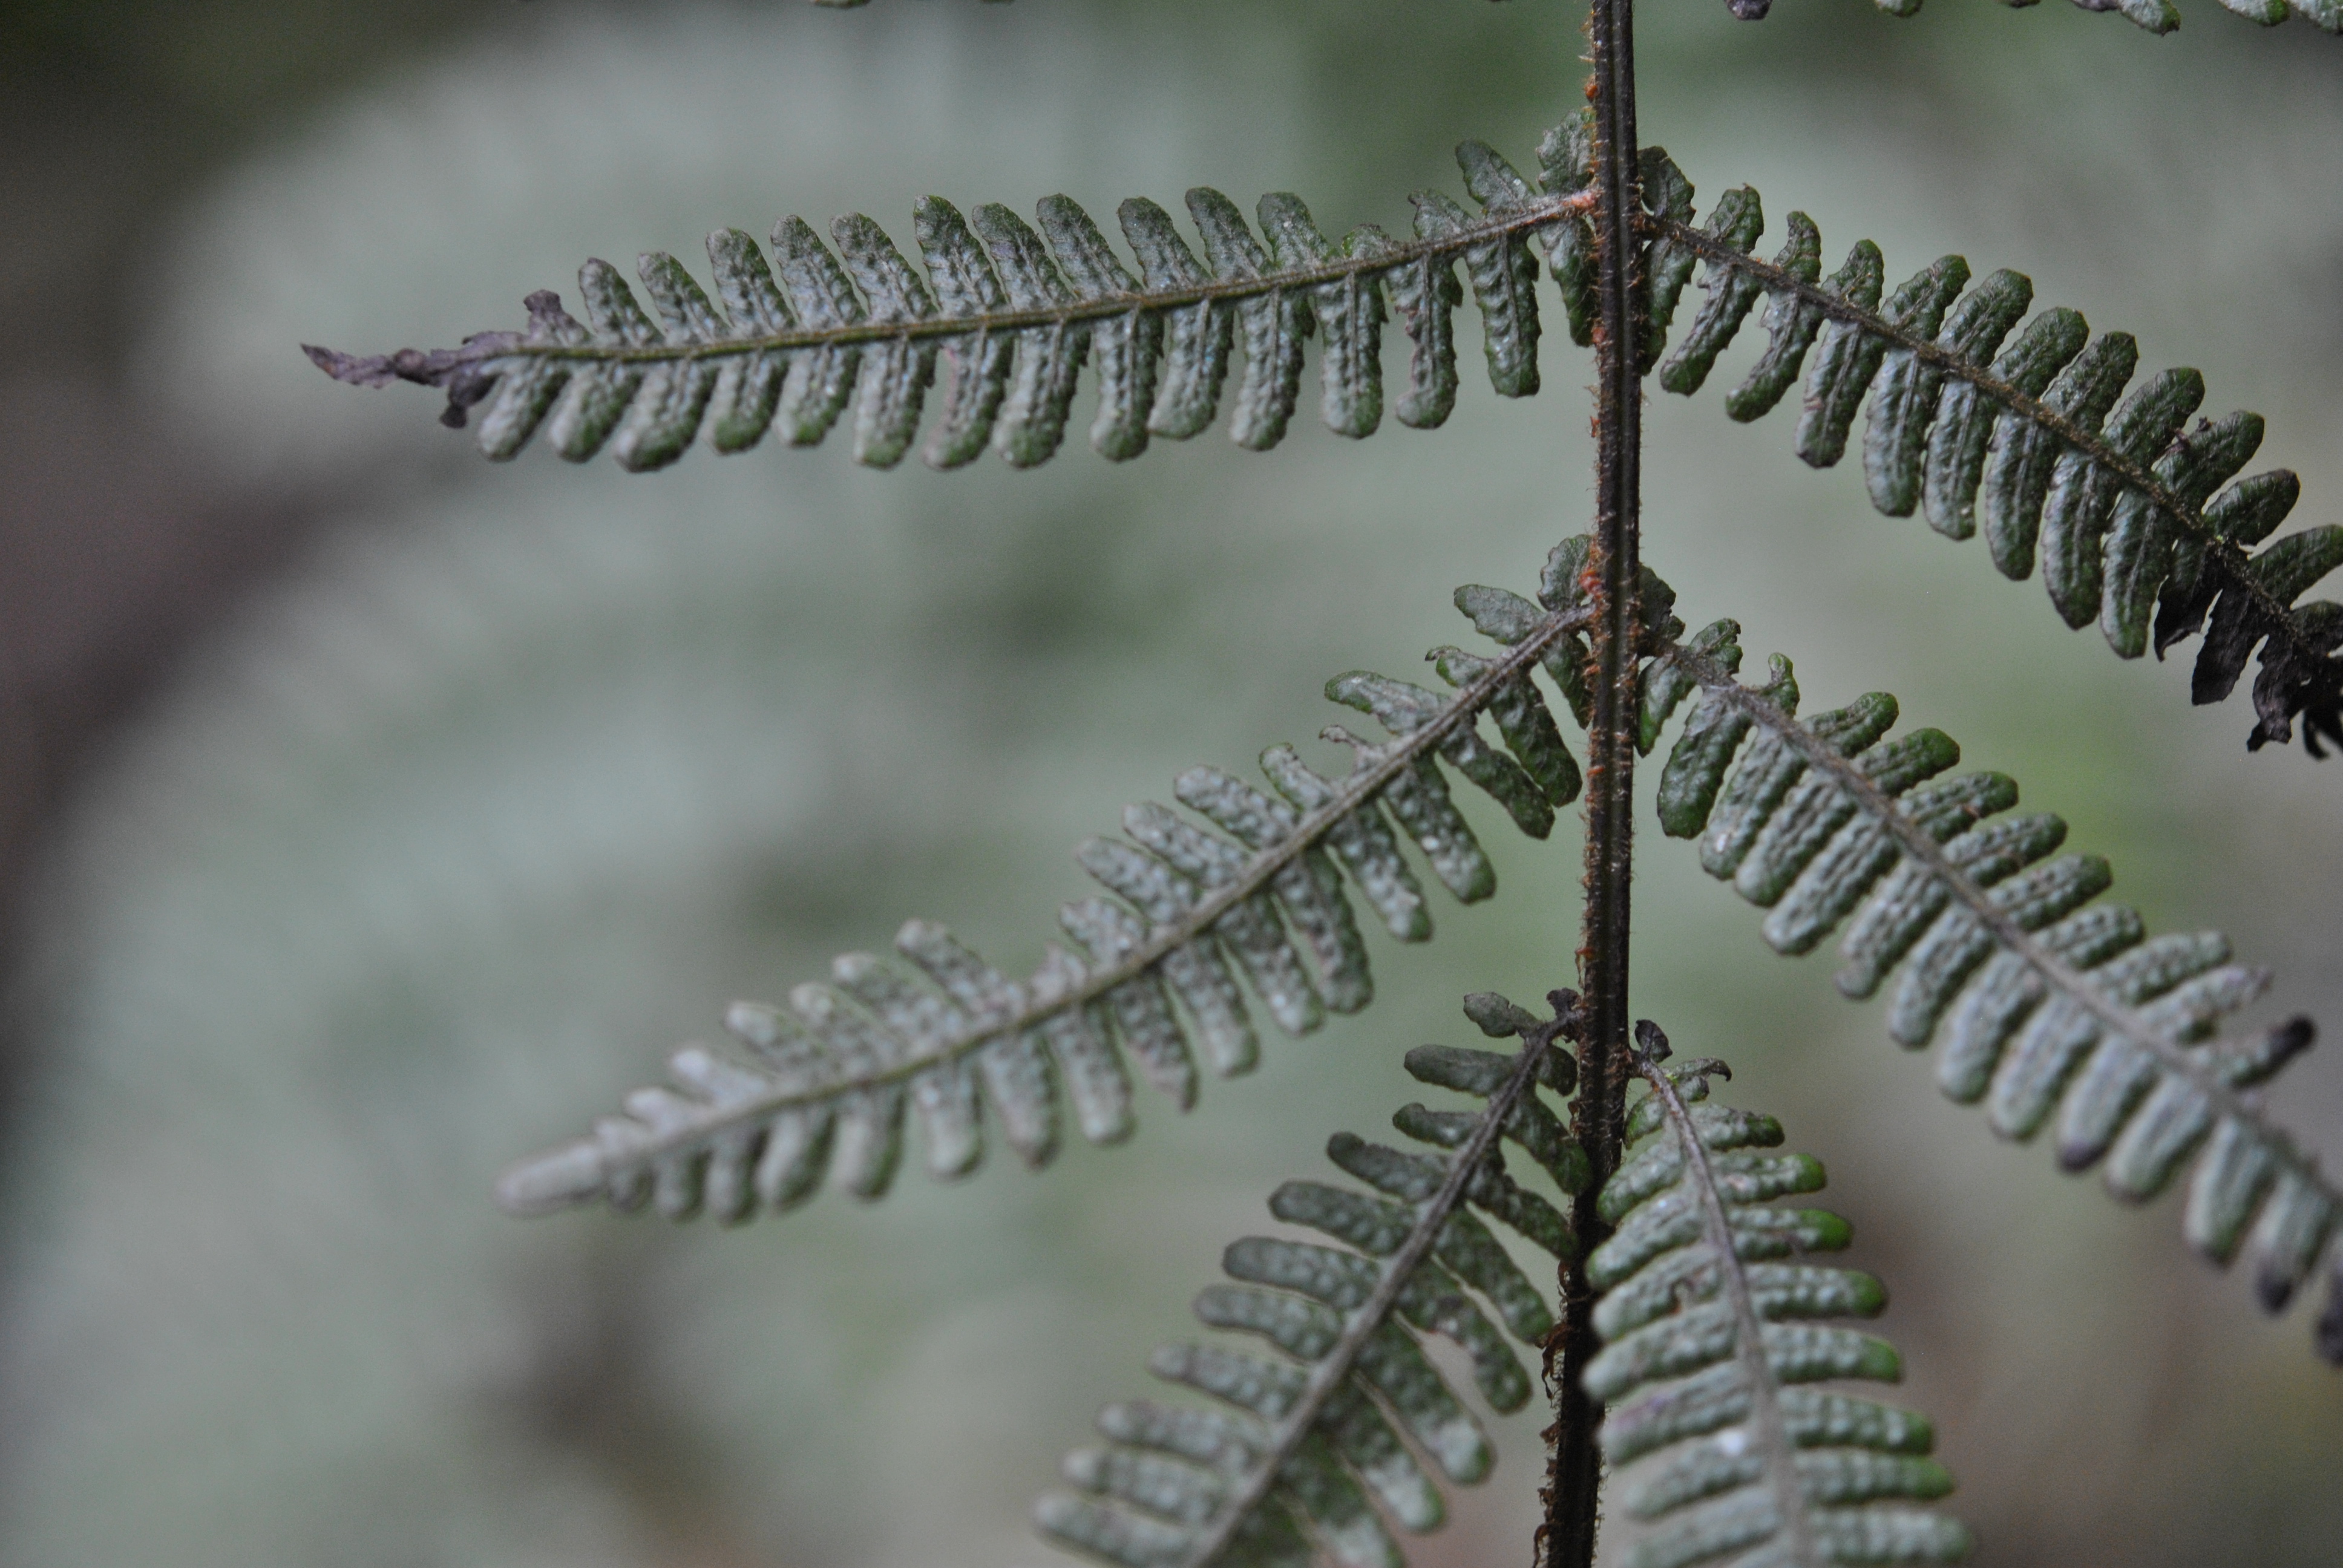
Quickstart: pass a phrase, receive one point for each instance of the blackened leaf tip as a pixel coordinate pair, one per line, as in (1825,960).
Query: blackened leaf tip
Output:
(374,371)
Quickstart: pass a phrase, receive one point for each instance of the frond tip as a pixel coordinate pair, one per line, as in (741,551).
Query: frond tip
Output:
(1012,313)
(1284,1469)
(2035,445)
(1251,888)
(2056,1011)
(1714,1342)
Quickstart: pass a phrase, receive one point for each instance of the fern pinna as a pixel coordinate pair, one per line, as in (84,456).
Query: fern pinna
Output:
(1015,314)
(2035,444)
(1714,1344)
(1285,1473)
(2056,1012)
(826,1080)
(2038,445)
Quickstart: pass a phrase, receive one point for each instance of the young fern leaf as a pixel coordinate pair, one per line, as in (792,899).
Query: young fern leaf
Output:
(825,1083)
(1286,1473)
(2054,1012)
(2038,446)
(1014,312)
(1711,1347)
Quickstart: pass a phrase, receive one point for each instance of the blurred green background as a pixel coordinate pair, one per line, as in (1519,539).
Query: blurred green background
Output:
(372,815)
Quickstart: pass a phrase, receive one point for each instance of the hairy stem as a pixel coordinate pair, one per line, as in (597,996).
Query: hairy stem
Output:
(1327,1376)
(1574,1474)
(2223,557)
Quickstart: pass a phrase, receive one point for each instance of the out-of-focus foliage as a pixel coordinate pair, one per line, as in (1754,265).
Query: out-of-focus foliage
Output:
(526,771)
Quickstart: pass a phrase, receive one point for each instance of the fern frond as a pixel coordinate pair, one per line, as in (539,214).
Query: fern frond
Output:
(1014,313)
(826,1080)
(2056,1012)
(2037,446)
(1711,1347)
(1311,1435)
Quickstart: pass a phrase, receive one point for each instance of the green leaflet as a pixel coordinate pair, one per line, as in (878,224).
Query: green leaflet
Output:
(1283,1467)
(1206,918)
(2083,493)
(1737,221)
(1044,365)
(2019,459)
(2038,443)
(1667,266)
(1896,451)
(1349,310)
(1719,1440)
(1126,348)
(1015,310)
(1845,357)
(966,285)
(821,382)
(1792,319)
(1566,164)
(2057,1013)
(1270,326)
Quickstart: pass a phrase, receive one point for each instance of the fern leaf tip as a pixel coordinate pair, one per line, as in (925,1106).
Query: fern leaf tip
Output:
(373,370)
(547,1184)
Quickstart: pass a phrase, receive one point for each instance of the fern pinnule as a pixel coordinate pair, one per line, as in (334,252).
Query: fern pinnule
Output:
(2038,446)
(1713,1346)
(1014,310)
(1287,1470)
(823,1085)
(2056,1012)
